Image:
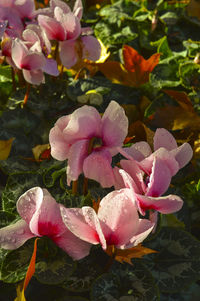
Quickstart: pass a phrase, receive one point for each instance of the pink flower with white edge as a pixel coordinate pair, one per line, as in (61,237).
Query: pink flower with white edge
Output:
(41,217)
(32,62)
(89,142)
(117,222)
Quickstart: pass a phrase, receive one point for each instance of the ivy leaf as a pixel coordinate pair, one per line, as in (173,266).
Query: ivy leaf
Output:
(177,264)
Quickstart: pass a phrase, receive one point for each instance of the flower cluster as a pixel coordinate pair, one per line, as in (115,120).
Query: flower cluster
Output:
(89,142)
(26,34)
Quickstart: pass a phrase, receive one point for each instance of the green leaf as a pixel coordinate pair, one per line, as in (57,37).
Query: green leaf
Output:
(53,173)
(52,267)
(16,185)
(190,75)
(125,282)
(6,218)
(177,263)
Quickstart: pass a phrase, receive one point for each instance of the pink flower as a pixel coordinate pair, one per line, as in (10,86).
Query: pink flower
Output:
(89,142)
(117,222)
(166,204)
(32,62)
(41,217)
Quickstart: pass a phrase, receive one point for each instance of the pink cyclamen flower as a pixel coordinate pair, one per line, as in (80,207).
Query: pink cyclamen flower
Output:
(163,204)
(41,217)
(89,142)
(32,62)
(117,222)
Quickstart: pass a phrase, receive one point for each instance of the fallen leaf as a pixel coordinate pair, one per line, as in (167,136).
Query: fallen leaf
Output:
(127,254)
(41,152)
(5,148)
(182,99)
(138,66)
(193,9)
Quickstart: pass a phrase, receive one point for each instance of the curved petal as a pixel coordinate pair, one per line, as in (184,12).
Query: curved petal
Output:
(119,217)
(97,166)
(59,147)
(68,54)
(15,235)
(52,27)
(72,245)
(163,138)
(34,77)
(132,168)
(161,154)
(139,150)
(84,123)
(91,49)
(159,179)
(182,154)
(76,156)
(166,204)
(83,222)
(114,125)
(72,26)
(145,227)
(19,51)
(78,9)
(50,67)
(29,202)
(33,61)
(59,3)
(47,219)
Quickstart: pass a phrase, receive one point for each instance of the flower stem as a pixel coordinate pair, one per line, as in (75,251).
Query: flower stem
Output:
(111,259)
(28,87)
(56,51)
(13,79)
(74,187)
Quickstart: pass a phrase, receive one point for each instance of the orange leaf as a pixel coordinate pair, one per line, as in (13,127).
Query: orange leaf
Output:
(31,269)
(138,66)
(127,254)
(182,98)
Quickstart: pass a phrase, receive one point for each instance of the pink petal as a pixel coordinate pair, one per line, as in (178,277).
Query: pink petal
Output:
(119,182)
(139,150)
(47,218)
(33,61)
(97,166)
(163,155)
(115,125)
(51,67)
(72,26)
(77,153)
(58,3)
(72,245)
(160,178)
(29,202)
(119,217)
(144,229)
(165,204)
(84,223)
(182,154)
(163,138)
(68,53)
(34,77)
(15,235)
(52,27)
(131,167)
(91,48)
(84,123)
(19,51)
(25,8)
(78,9)
(30,36)
(59,147)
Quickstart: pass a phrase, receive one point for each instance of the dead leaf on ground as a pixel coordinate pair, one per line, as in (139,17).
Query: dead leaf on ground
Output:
(127,254)
(5,148)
